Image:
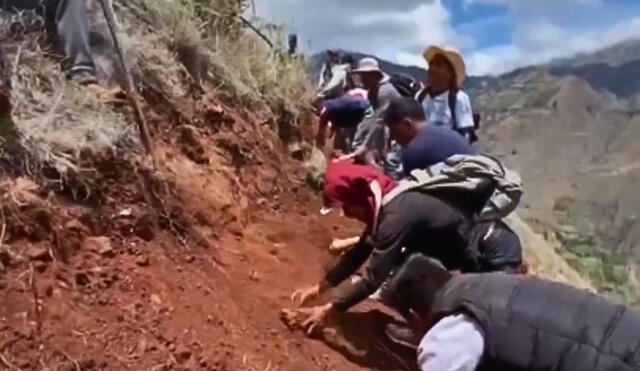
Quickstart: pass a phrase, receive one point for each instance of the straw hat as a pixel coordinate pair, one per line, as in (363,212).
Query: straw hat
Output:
(454,57)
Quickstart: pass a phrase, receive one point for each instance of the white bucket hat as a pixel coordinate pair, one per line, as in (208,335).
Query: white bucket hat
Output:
(368,64)
(454,57)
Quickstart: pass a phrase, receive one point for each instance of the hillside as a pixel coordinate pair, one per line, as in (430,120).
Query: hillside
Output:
(182,257)
(569,128)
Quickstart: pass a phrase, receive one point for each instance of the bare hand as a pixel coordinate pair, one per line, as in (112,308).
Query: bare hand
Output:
(316,316)
(303,296)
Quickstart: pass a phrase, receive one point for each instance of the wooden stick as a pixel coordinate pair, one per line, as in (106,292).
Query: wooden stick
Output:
(36,306)
(130,86)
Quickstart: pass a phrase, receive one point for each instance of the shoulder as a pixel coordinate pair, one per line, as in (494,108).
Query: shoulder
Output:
(463,98)
(387,89)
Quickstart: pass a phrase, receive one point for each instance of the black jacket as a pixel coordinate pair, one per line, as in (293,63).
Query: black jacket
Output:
(536,325)
(411,222)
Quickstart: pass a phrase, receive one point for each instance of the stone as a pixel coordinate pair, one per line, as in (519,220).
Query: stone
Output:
(155,299)
(82,279)
(101,245)
(38,253)
(183,354)
(142,261)
(40,266)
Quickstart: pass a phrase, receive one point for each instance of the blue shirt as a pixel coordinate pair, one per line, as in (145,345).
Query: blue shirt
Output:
(432,145)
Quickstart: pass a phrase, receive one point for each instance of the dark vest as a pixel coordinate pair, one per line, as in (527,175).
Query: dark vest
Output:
(536,325)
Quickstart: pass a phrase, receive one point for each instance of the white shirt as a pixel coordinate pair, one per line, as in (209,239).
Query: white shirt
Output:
(437,110)
(455,343)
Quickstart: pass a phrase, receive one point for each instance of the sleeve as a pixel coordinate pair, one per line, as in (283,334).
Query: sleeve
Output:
(455,343)
(372,133)
(464,112)
(349,262)
(390,240)
(334,87)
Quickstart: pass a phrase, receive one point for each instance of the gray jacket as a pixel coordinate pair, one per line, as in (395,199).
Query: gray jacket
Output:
(372,133)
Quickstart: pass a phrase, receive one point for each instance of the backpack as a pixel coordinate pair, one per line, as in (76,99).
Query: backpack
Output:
(406,85)
(452,99)
(469,173)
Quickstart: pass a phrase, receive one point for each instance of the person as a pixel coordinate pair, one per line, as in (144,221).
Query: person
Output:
(507,322)
(423,143)
(371,138)
(343,115)
(334,84)
(66,22)
(411,222)
(333,58)
(293,44)
(443,101)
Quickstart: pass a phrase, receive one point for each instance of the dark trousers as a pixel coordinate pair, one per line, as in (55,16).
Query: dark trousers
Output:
(67,22)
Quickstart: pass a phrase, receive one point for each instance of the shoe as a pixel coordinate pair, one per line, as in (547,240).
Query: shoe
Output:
(401,335)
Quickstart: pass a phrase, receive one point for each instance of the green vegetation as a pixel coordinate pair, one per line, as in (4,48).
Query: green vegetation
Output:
(586,251)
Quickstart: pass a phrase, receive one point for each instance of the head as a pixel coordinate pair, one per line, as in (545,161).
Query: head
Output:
(348,59)
(404,117)
(370,80)
(369,73)
(347,186)
(441,75)
(447,69)
(334,56)
(417,283)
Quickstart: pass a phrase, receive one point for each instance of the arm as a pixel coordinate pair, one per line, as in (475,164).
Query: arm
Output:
(335,86)
(322,128)
(390,239)
(454,343)
(464,116)
(349,263)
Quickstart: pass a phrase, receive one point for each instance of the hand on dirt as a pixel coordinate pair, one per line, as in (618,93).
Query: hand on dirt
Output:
(316,316)
(304,296)
(306,319)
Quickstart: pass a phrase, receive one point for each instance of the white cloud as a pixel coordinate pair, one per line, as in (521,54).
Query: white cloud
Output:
(533,5)
(540,42)
(390,29)
(400,30)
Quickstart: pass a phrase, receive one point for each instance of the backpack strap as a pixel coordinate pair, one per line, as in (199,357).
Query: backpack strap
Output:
(422,95)
(453,100)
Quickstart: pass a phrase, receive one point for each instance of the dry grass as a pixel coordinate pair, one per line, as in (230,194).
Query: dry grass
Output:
(165,42)
(211,42)
(58,120)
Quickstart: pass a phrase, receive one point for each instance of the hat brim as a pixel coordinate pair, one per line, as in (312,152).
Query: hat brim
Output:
(459,67)
(367,70)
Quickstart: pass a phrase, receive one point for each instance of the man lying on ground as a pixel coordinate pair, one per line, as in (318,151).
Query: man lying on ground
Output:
(506,322)
(411,222)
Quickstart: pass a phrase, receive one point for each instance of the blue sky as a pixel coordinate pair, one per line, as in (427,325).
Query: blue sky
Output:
(494,35)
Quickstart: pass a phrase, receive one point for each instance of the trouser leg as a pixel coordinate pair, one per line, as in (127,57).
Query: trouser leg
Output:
(68,20)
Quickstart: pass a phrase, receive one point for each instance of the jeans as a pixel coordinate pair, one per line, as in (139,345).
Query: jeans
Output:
(67,21)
